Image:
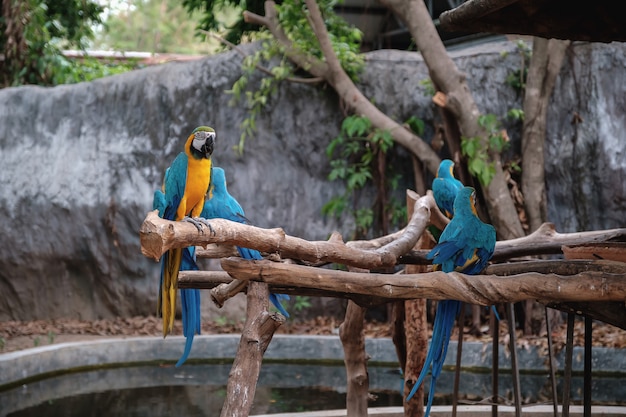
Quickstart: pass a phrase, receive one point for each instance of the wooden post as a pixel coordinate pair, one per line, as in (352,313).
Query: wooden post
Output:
(355,358)
(256,336)
(416,330)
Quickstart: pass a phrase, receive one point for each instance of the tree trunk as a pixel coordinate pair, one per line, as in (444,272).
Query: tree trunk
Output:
(460,102)
(545,65)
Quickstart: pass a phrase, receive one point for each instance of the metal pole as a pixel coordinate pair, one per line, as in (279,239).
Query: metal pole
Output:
(587,370)
(457,369)
(495,335)
(569,353)
(555,400)
(514,365)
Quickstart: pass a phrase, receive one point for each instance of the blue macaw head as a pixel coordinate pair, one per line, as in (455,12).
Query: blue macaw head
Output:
(445,169)
(218,180)
(465,202)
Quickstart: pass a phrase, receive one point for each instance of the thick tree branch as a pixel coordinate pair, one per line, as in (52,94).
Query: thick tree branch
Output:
(158,236)
(543,241)
(586,285)
(332,72)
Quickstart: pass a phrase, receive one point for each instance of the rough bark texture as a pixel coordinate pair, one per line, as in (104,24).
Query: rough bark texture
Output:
(416,333)
(355,359)
(460,102)
(585,285)
(255,338)
(544,67)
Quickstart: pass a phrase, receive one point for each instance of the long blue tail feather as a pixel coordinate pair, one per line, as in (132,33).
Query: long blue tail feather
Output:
(447,310)
(190,306)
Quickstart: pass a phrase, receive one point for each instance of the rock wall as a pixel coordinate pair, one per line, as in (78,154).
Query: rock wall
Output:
(80,162)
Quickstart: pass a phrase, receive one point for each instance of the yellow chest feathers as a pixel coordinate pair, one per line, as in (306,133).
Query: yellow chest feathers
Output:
(196,186)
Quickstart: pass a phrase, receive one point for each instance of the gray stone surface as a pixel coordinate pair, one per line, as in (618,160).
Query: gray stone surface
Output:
(80,163)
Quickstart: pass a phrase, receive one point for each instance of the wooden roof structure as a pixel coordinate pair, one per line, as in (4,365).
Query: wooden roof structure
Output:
(576,20)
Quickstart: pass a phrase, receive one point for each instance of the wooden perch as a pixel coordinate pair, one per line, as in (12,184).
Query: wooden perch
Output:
(158,236)
(586,285)
(255,338)
(545,240)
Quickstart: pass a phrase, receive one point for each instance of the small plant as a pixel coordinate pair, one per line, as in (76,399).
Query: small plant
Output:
(517,79)
(301,302)
(358,158)
(345,39)
(477,152)
(36,341)
(2,343)
(51,336)
(516,114)
(221,321)
(429,87)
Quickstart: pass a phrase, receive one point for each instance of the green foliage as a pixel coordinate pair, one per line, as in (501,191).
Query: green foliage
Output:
(517,79)
(477,151)
(51,336)
(354,159)
(293,20)
(211,17)
(302,302)
(3,343)
(429,87)
(257,99)
(32,49)
(516,114)
(159,26)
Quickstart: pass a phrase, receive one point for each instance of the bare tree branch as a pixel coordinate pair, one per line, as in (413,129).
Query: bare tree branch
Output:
(543,241)
(300,80)
(586,285)
(339,80)
(158,236)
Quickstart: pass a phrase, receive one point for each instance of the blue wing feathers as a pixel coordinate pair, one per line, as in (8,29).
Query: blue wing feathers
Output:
(223,205)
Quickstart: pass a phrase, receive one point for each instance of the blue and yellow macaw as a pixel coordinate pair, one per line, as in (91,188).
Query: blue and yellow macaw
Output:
(465,245)
(445,187)
(222,205)
(182,198)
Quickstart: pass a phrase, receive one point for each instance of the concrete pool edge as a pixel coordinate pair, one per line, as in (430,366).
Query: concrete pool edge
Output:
(466,411)
(31,363)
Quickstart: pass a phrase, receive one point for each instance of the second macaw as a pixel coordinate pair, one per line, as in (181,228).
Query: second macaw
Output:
(182,198)
(445,187)
(222,205)
(465,245)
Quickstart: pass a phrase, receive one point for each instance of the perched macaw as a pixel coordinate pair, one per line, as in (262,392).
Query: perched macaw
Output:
(465,245)
(222,205)
(445,187)
(182,198)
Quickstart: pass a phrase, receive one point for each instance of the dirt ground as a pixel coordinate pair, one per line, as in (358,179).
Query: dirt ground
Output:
(17,335)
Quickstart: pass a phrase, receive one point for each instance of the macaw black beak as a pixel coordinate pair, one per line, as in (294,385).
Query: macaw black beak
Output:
(207,148)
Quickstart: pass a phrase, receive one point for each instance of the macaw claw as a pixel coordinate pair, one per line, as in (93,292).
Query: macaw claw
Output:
(199,222)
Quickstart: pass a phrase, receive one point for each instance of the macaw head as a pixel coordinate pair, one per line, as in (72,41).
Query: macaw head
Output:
(445,169)
(218,179)
(465,202)
(201,142)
